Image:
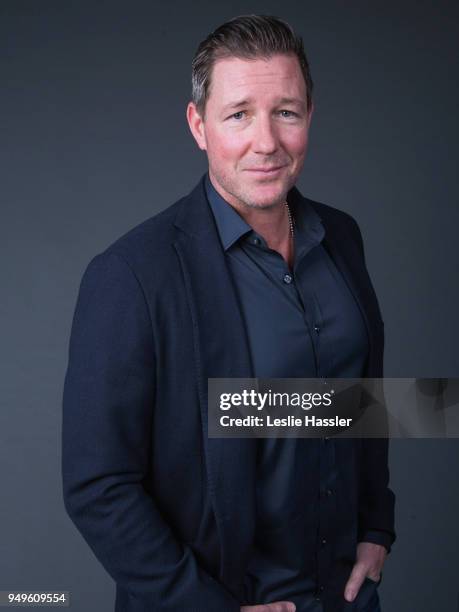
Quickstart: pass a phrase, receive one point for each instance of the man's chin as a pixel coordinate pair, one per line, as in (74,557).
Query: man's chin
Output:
(266,201)
(263,205)
(268,194)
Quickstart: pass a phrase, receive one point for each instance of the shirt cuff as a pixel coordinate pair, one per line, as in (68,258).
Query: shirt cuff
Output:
(376,536)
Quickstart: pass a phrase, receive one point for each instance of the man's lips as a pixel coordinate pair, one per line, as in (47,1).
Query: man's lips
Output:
(266,170)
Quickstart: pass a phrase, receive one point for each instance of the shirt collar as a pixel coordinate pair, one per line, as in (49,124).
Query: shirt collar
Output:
(309,230)
(230,225)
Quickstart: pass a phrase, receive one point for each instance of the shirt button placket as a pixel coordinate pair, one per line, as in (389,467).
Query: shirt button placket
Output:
(326,512)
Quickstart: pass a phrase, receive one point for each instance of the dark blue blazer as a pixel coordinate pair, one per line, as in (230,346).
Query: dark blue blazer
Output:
(157,316)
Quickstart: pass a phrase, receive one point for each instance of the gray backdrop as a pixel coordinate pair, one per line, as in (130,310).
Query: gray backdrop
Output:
(95,141)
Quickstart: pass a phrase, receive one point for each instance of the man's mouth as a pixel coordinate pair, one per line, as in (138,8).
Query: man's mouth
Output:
(267,170)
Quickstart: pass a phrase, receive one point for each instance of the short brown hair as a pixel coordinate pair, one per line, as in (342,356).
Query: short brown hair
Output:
(245,37)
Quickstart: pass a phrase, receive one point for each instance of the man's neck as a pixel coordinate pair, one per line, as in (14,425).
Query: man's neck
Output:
(273,224)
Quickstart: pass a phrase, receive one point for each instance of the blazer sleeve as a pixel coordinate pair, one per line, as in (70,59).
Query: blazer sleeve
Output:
(109,395)
(377,500)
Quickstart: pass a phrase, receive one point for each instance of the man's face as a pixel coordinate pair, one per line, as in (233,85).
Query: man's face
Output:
(255,129)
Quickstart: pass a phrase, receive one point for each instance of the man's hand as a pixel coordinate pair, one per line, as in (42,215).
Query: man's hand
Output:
(276,606)
(370,559)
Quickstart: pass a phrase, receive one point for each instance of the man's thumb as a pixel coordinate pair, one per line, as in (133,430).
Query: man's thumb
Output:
(355,582)
(277,606)
(282,606)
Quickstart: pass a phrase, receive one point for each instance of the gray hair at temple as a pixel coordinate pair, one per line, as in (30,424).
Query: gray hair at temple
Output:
(245,37)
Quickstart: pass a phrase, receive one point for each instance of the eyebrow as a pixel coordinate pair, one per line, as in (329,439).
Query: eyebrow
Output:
(295,101)
(239,103)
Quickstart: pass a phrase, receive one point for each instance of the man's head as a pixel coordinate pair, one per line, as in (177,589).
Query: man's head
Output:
(251,109)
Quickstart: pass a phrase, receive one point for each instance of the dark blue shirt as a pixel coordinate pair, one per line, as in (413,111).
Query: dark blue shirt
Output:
(302,322)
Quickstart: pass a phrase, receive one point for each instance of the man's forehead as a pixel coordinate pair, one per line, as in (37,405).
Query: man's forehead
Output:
(237,68)
(233,77)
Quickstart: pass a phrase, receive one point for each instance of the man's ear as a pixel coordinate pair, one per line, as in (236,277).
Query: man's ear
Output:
(310,112)
(196,123)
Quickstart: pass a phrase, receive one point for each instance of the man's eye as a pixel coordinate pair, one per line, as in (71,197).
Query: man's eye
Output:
(287,114)
(238,115)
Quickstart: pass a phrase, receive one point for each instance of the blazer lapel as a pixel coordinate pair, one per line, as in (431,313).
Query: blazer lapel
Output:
(222,351)
(349,262)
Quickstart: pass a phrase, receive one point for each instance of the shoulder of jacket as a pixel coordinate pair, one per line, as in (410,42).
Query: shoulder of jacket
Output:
(149,240)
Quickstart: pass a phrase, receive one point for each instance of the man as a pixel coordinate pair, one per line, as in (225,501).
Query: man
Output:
(241,278)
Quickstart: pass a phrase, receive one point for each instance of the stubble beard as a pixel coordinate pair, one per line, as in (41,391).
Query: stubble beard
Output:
(244,199)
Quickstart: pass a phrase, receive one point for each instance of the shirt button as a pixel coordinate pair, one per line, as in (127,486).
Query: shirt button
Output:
(257,241)
(324,542)
(287,279)
(329,492)
(318,592)
(316,329)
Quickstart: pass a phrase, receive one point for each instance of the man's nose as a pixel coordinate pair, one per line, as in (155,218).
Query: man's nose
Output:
(264,137)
